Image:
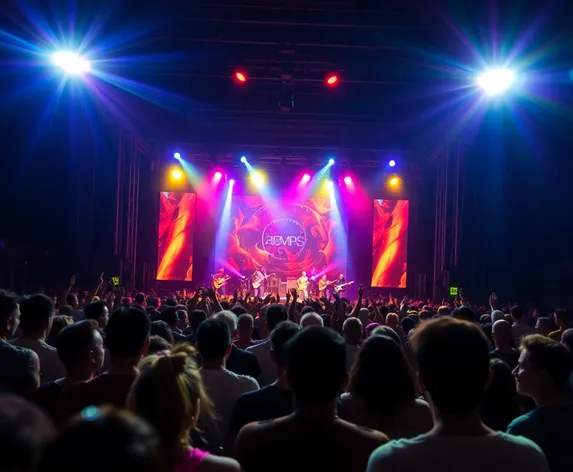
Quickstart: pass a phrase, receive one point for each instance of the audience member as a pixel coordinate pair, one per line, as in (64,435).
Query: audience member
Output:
(313,435)
(502,336)
(519,327)
(563,321)
(274,315)
(311,319)
(127,340)
(58,323)
(352,331)
(169,395)
(453,370)
(98,312)
(24,433)
(104,440)
(382,392)
(274,400)
(223,386)
(543,374)
(36,316)
(20,371)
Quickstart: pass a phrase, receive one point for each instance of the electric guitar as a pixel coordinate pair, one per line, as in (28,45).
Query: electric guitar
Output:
(218,282)
(340,287)
(302,286)
(323,285)
(260,281)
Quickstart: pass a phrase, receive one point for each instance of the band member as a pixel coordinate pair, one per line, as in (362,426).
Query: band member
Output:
(323,290)
(339,284)
(220,282)
(302,286)
(258,282)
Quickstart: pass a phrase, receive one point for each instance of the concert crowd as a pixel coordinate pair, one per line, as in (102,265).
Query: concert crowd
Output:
(204,380)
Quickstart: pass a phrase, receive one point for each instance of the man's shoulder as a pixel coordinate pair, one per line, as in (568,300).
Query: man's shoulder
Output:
(523,423)
(245,380)
(362,433)
(14,350)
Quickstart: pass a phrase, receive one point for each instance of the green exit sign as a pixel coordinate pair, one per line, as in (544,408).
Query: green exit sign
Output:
(453,291)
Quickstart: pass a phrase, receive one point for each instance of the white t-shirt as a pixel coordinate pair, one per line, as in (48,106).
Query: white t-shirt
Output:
(352,351)
(51,367)
(519,330)
(224,389)
(262,352)
(498,452)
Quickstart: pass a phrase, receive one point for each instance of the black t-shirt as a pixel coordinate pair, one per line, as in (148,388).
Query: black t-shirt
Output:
(268,403)
(510,359)
(243,362)
(46,397)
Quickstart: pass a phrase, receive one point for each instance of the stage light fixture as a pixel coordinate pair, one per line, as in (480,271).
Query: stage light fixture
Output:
(305,179)
(244,160)
(232,182)
(496,81)
(71,62)
(241,77)
(392,163)
(218,175)
(331,161)
(332,80)
(394,181)
(347,180)
(176,174)
(177,155)
(258,178)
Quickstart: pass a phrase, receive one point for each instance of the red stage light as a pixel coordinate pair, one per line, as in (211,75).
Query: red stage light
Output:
(241,77)
(332,80)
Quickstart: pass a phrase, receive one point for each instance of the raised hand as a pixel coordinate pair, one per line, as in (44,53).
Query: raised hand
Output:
(73,280)
(361,291)
(100,281)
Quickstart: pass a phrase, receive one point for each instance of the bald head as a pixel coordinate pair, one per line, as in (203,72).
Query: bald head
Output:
(352,330)
(501,333)
(311,319)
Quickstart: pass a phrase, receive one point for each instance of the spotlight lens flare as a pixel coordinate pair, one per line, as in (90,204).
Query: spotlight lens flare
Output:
(393,181)
(257,178)
(347,180)
(331,161)
(392,163)
(232,182)
(305,178)
(244,160)
(71,62)
(496,81)
(176,174)
(177,155)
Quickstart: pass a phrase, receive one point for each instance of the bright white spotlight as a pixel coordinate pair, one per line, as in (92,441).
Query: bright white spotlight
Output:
(392,163)
(177,155)
(244,160)
(258,178)
(71,62)
(232,182)
(496,81)
(331,161)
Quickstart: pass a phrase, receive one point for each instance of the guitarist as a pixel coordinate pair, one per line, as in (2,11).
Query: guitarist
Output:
(337,285)
(302,286)
(257,283)
(220,282)
(323,290)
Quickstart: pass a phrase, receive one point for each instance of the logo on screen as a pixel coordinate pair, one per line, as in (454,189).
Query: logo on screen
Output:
(284,238)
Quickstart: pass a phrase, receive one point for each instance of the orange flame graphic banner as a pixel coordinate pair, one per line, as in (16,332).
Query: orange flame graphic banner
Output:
(390,243)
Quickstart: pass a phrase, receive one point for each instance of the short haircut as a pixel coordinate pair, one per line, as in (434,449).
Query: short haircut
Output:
(316,365)
(550,356)
(127,332)
(157,344)
(140,298)
(453,363)
(311,319)
(196,317)
(563,315)
(36,312)
(73,341)
(161,328)
(95,310)
(282,333)
(388,332)
(127,443)
(275,314)
(71,298)
(213,339)
(8,305)
(24,433)
(464,313)
(567,339)
(245,321)
(239,310)
(229,318)
(169,315)
(516,312)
